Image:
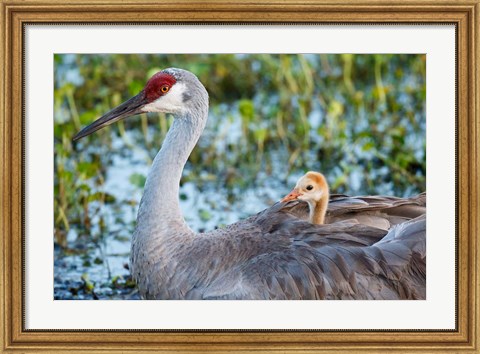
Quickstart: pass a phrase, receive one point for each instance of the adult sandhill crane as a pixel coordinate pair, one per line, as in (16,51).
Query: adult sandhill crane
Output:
(271,255)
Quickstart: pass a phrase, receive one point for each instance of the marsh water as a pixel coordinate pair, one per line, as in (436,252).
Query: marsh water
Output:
(359,119)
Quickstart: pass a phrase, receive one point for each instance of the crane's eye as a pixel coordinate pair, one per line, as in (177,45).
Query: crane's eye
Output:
(164,88)
(309,187)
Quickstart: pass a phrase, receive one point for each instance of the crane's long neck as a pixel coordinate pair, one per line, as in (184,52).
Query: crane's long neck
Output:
(318,210)
(159,210)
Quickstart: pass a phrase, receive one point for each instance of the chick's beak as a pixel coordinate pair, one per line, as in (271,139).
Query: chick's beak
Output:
(294,194)
(128,108)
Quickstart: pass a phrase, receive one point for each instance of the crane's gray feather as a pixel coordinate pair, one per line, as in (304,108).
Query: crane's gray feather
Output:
(276,255)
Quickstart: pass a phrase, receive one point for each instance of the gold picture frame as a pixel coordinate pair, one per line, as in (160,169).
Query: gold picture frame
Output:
(463,14)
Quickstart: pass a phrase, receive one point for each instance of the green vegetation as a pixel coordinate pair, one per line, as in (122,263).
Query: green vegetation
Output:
(359,119)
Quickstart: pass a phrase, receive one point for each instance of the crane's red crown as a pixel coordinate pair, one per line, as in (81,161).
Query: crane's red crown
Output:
(158,85)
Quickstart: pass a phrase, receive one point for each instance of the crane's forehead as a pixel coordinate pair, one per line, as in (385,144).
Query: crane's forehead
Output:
(305,180)
(311,178)
(316,178)
(154,84)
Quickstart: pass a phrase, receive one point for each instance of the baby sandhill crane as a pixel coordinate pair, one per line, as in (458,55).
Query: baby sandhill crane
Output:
(381,212)
(313,189)
(271,255)
(375,211)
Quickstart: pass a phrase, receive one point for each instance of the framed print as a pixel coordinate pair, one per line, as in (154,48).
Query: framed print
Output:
(169,122)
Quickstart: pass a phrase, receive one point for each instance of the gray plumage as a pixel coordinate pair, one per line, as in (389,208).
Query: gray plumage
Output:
(275,255)
(373,248)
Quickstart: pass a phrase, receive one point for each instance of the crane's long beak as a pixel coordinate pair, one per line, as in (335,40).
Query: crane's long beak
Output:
(294,194)
(126,109)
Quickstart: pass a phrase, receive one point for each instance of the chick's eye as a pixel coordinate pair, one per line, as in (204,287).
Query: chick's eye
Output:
(309,187)
(164,89)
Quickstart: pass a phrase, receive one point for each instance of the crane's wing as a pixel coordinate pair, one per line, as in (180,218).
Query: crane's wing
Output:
(310,266)
(210,261)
